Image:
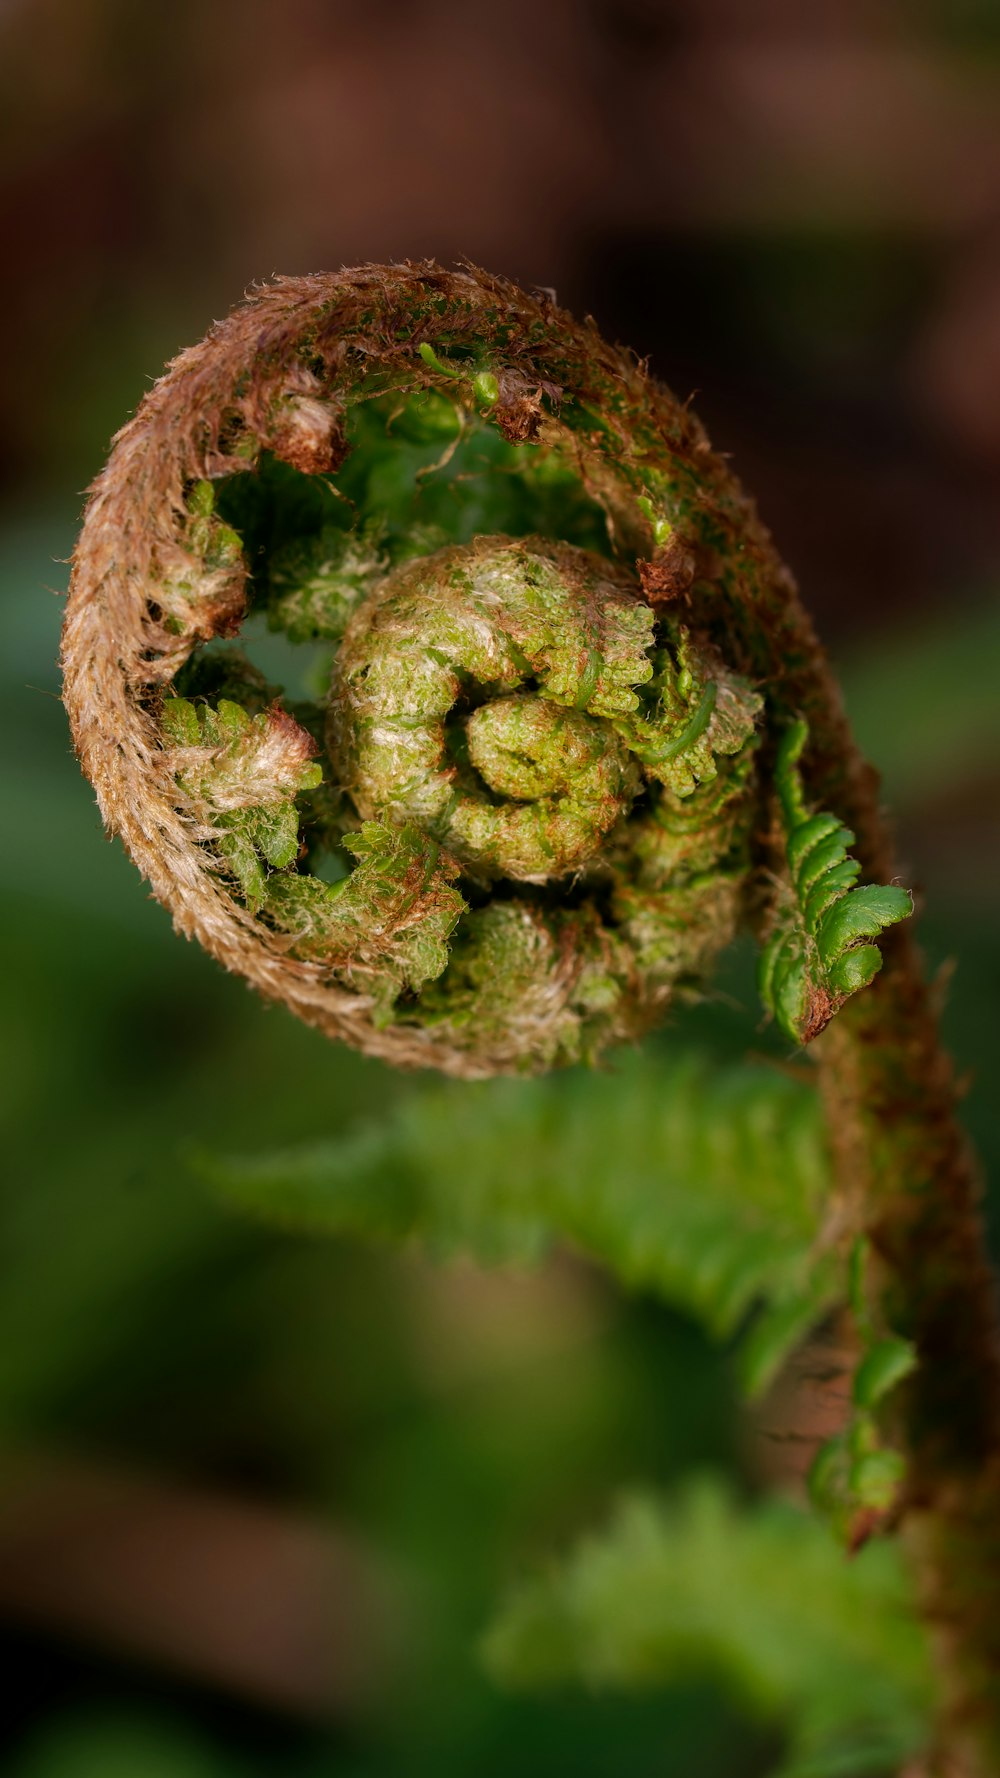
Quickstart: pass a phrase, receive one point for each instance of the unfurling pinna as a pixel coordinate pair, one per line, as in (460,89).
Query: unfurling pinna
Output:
(540,754)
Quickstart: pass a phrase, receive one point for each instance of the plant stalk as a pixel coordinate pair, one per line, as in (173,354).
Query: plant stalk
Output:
(911,1184)
(907,1179)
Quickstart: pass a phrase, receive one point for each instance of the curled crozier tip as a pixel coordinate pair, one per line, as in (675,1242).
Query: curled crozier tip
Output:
(410,649)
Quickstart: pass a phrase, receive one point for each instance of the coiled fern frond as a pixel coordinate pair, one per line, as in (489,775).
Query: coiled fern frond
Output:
(522,792)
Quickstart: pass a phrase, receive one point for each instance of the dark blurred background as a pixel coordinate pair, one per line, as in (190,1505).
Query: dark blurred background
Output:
(257,1495)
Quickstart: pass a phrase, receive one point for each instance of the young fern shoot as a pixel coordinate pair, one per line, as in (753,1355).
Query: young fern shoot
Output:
(524,805)
(561,730)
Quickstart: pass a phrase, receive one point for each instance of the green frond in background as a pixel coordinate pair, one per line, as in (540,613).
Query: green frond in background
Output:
(819,952)
(104,1746)
(758,1596)
(704,1185)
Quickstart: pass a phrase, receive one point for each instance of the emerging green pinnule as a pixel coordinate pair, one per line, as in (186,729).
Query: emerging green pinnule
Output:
(820,950)
(522,803)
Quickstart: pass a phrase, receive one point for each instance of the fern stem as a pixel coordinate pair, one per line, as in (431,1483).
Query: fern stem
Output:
(906,1178)
(615,570)
(906,1167)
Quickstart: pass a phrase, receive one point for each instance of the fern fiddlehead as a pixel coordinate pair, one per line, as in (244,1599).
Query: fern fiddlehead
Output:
(562,727)
(526,806)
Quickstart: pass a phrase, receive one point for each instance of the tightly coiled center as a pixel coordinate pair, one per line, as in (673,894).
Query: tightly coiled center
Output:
(489,694)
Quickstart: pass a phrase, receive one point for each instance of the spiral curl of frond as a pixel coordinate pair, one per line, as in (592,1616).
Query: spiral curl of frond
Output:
(516,802)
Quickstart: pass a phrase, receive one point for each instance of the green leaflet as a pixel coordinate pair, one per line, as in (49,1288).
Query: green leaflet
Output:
(825,1648)
(202,583)
(820,951)
(703,1185)
(703,714)
(245,772)
(856,1478)
(314,582)
(884,1365)
(485,388)
(388,923)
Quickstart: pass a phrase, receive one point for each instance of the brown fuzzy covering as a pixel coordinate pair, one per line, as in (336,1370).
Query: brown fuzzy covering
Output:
(670,574)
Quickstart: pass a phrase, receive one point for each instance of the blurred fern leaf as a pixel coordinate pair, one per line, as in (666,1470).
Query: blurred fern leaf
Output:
(825,1648)
(702,1184)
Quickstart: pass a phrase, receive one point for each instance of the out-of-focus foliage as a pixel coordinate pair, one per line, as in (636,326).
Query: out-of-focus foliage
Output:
(761,1595)
(702,1184)
(126,1747)
(925,704)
